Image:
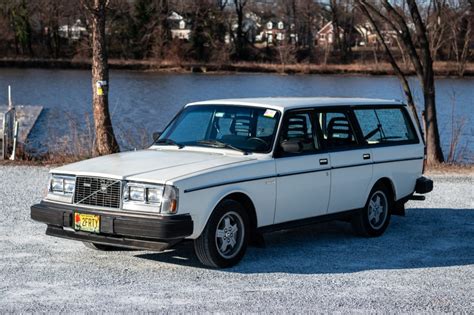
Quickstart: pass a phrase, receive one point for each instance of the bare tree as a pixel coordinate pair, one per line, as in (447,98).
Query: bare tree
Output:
(461,28)
(240,40)
(106,143)
(421,60)
(342,15)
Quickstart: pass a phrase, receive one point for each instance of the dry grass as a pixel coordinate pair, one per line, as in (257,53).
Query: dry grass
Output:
(441,68)
(451,169)
(381,68)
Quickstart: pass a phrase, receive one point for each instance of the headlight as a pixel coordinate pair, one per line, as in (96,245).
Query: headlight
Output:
(61,187)
(154,195)
(69,185)
(150,198)
(137,193)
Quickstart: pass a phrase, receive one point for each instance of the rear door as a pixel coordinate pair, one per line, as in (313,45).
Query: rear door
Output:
(351,164)
(397,152)
(303,180)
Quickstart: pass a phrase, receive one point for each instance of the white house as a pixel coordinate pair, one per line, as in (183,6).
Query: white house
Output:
(180,29)
(73,32)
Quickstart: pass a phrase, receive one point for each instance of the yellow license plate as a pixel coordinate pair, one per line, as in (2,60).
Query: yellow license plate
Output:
(87,222)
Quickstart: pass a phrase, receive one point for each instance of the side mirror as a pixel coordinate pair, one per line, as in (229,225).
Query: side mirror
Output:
(292,146)
(156,135)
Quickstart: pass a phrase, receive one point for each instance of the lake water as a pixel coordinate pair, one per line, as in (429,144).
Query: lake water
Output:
(142,102)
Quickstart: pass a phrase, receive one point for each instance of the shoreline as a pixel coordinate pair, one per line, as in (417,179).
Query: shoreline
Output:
(441,69)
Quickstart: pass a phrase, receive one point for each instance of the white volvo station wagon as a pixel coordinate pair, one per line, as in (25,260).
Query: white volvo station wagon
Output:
(225,171)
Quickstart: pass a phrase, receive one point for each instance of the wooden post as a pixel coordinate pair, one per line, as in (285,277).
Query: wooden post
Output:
(10,103)
(15,139)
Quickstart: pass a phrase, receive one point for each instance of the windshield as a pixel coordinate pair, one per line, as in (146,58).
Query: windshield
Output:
(247,129)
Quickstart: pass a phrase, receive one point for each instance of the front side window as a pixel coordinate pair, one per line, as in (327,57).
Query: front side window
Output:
(250,129)
(385,125)
(298,127)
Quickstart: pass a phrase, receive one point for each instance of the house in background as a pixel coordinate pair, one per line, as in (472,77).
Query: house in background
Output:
(369,37)
(355,36)
(273,32)
(250,26)
(73,32)
(179,27)
(326,35)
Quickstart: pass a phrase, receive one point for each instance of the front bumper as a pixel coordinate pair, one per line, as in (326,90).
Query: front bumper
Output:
(141,231)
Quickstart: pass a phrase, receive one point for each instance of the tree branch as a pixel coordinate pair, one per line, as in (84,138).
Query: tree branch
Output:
(405,36)
(398,71)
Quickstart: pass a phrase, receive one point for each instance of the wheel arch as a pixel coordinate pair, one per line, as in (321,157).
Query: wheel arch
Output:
(387,182)
(247,203)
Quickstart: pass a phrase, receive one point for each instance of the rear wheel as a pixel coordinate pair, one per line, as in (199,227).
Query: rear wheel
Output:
(374,218)
(224,240)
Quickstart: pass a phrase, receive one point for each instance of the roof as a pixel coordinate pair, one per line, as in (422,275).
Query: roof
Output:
(284,103)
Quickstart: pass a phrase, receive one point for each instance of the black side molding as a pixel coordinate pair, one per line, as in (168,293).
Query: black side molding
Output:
(345,215)
(423,185)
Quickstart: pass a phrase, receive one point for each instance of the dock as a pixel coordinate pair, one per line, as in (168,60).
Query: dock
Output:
(27,116)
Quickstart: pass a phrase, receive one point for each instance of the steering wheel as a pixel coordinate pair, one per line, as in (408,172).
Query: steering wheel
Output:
(256,139)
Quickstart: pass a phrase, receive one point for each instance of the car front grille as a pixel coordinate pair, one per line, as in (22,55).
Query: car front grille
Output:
(100,192)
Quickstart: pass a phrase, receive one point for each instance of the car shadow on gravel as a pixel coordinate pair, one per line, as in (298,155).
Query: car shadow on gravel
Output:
(424,238)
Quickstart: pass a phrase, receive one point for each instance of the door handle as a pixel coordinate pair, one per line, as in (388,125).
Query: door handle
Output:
(323,161)
(366,156)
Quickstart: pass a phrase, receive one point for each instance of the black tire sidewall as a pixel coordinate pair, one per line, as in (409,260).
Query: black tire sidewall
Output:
(368,229)
(210,231)
(102,247)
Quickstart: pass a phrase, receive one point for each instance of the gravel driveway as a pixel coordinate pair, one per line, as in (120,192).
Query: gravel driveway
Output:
(424,262)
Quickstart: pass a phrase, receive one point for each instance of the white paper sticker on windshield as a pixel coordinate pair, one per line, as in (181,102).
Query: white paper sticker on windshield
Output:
(270,113)
(220,114)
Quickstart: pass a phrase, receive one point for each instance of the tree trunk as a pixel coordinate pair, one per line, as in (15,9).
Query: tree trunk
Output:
(106,142)
(434,154)
(240,35)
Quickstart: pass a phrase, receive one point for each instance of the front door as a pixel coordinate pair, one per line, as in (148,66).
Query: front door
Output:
(303,179)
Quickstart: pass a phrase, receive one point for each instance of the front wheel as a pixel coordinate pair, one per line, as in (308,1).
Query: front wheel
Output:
(374,218)
(224,240)
(101,247)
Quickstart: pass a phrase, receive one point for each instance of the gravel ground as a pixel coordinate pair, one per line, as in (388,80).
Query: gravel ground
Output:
(423,263)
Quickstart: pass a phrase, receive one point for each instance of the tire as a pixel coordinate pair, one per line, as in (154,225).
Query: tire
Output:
(101,247)
(227,247)
(374,218)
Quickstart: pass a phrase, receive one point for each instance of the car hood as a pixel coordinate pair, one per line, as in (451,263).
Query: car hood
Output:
(150,165)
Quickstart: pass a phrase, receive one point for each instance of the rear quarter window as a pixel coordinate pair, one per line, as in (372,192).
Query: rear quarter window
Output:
(385,125)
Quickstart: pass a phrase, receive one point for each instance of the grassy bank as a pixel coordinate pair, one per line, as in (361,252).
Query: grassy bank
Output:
(440,68)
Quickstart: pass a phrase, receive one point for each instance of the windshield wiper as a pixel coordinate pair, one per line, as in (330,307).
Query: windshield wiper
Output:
(220,144)
(169,142)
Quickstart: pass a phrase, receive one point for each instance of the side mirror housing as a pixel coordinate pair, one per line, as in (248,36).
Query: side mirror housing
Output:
(292,146)
(156,135)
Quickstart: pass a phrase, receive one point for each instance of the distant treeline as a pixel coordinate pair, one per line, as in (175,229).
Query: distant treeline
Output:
(226,31)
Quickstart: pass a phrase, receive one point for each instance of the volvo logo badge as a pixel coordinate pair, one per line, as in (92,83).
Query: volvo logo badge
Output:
(103,188)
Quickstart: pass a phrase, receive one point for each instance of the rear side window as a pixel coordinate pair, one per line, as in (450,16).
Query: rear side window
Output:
(385,125)
(336,129)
